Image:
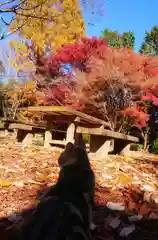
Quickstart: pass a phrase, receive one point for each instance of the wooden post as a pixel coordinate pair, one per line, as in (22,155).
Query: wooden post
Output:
(28,139)
(15,132)
(100,146)
(126,150)
(121,147)
(24,136)
(48,132)
(6,133)
(2,133)
(70,134)
(21,134)
(103,151)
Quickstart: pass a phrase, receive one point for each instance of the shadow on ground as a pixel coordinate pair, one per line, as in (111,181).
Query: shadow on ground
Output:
(110,224)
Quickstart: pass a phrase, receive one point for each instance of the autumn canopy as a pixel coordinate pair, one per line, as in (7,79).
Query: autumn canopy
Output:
(100,76)
(103,81)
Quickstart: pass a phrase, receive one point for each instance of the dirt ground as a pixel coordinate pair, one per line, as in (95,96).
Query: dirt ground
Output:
(126,189)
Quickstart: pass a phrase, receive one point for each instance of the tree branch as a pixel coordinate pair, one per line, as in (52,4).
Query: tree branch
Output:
(4,8)
(10,10)
(6,3)
(10,33)
(14,9)
(32,16)
(7,23)
(33,7)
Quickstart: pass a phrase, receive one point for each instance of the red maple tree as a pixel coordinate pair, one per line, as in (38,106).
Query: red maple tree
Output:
(76,54)
(107,83)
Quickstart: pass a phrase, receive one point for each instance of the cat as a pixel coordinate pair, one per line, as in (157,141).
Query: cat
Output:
(65,212)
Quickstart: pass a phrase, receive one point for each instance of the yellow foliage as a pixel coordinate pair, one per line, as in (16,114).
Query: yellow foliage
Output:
(24,94)
(19,94)
(22,61)
(129,159)
(46,24)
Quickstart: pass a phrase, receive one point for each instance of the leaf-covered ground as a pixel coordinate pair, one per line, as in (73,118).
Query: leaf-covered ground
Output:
(126,189)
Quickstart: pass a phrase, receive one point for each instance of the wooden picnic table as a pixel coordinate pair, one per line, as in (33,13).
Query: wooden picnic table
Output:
(81,123)
(59,112)
(52,114)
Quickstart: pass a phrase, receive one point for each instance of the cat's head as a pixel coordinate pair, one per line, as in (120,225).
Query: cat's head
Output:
(70,155)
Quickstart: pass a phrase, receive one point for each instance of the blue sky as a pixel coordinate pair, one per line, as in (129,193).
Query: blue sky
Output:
(124,15)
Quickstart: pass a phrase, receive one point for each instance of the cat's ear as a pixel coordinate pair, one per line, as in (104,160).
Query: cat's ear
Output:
(79,142)
(69,147)
(68,156)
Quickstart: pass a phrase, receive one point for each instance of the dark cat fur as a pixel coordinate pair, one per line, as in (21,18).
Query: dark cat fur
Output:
(66,210)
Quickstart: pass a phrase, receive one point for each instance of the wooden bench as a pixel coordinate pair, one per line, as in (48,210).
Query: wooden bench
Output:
(2,129)
(73,118)
(102,140)
(2,125)
(26,130)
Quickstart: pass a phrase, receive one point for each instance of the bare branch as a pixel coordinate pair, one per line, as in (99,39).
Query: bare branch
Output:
(14,10)
(12,32)
(7,10)
(6,3)
(7,23)
(17,7)
(33,7)
(32,16)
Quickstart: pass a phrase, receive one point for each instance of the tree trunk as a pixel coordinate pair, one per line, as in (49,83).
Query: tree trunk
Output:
(145,147)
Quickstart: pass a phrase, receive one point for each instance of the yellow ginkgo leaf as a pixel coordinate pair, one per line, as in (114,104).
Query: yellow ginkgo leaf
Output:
(129,159)
(125,179)
(5,184)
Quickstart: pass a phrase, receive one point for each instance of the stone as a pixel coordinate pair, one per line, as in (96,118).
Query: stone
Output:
(115,206)
(126,231)
(135,218)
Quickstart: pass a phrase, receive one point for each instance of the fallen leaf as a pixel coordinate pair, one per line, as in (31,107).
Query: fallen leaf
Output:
(36,150)
(144,209)
(92,226)
(153,215)
(135,218)
(147,197)
(148,188)
(132,206)
(19,184)
(14,218)
(5,183)
(125,179)
(34,182)
(127,230)
(115,222)
(129,159)
(156,200)
(107,221)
